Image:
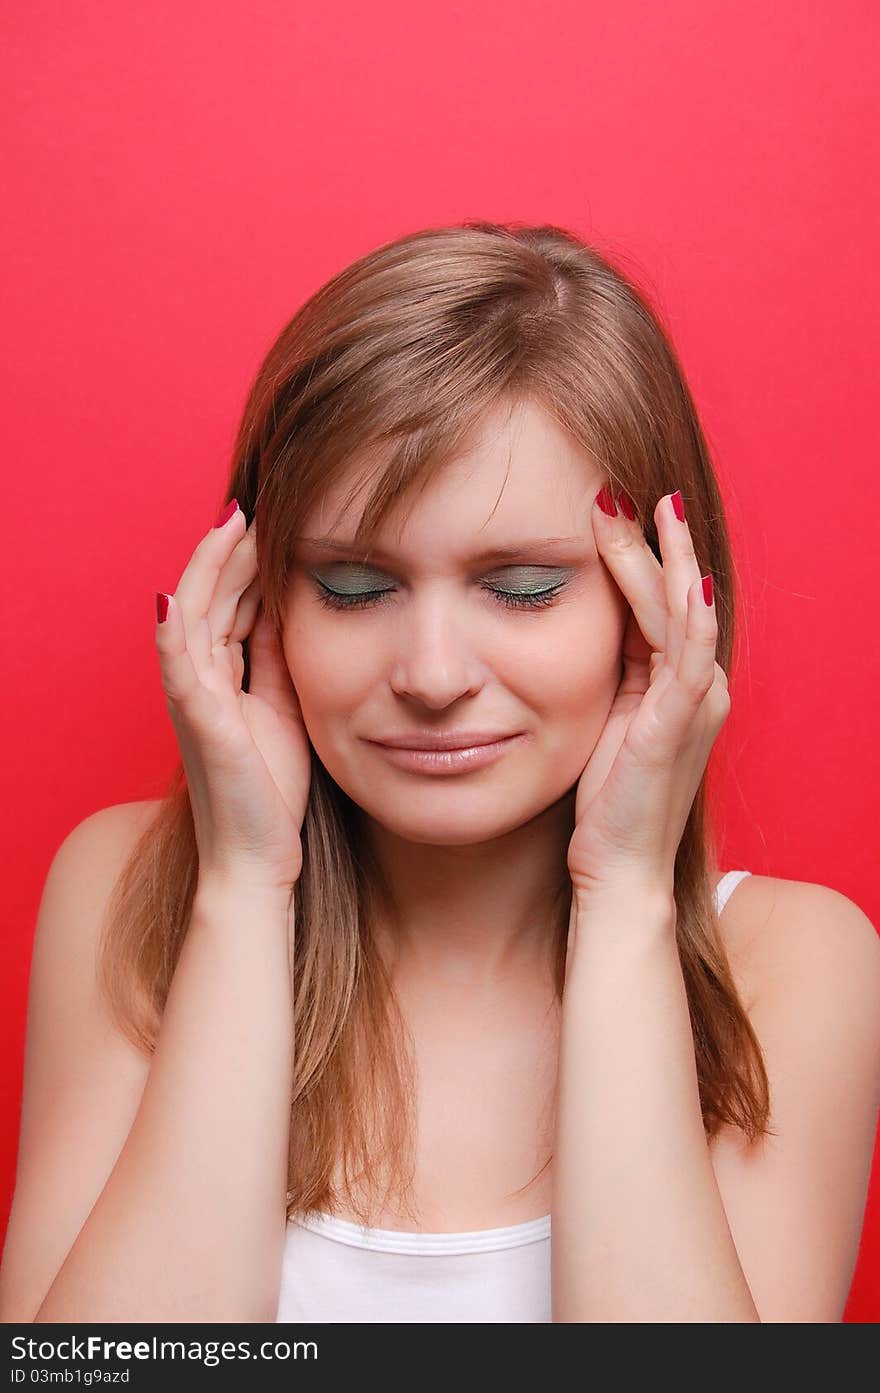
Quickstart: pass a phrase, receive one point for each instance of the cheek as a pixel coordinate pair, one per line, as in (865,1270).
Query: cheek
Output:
(576,680)
(308,653)
(577,685)
(330,672)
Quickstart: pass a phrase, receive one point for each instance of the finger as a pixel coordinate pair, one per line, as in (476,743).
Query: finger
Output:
(181,682)
(246,613)
(699,670)
(232,656)
(236,580)
(639,660)
(635,568)
(680,571)
(269,674)
(197,584)
(697,673)
(696,666)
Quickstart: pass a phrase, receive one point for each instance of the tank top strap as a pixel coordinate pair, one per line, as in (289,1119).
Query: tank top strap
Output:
(726,886)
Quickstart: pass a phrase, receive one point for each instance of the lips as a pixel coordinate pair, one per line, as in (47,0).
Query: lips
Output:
(442,740)
(457,760)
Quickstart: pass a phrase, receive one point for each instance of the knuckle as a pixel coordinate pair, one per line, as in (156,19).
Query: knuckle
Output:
(204,546)
(194,704)
(207,543)
(173,693)
(700,687)
(176,686)
(622,541)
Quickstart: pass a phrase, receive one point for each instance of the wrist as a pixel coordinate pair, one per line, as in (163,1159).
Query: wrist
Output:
(240,894)
(647,913)
(648,888)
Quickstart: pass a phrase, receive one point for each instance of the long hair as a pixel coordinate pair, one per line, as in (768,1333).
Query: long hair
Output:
(403,353)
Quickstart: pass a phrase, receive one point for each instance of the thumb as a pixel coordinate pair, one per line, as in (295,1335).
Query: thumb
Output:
(269,674)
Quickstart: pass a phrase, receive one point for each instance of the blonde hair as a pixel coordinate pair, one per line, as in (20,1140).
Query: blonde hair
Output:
(403,353)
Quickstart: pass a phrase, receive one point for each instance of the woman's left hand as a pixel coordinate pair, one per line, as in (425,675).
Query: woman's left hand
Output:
(636,792)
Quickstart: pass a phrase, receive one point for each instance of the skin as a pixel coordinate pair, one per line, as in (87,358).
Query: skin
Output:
(473,859)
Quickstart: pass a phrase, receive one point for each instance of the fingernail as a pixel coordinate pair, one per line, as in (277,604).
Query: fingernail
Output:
(161,607)
(708,589)
(605,499)
(627,507)
(678,505)
(226,512)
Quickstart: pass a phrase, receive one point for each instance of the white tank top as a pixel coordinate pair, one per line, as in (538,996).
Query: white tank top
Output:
(337,1271)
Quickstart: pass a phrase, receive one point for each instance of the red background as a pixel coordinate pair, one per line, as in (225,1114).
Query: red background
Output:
(179,178)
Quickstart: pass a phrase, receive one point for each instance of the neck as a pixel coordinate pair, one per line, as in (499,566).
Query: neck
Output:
(472,916)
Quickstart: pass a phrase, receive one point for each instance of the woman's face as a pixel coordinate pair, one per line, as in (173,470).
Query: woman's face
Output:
(453,642)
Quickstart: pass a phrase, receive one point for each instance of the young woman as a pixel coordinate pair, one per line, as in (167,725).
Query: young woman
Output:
(426,949)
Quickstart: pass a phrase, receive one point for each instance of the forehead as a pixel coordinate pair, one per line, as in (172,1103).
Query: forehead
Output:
(521,477)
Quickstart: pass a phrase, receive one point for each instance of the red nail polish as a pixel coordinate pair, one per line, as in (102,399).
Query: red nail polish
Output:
(678,505)
(161,607)
(627,507)
(226,513)
(708,588)
(605,499)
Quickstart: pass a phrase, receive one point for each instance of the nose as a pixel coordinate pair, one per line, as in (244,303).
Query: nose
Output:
(434,662)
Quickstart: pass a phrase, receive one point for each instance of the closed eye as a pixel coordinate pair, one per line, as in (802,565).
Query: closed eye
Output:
(522,599)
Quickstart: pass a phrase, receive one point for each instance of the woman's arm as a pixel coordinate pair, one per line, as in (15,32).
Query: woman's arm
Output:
(648,1224)
(190,1225)
(639,1228)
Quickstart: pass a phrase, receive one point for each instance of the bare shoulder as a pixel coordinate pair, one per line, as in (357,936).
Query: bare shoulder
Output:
(81,878)
(95,851)
(116,827)
(83,1079)
(776,931)
(806,960)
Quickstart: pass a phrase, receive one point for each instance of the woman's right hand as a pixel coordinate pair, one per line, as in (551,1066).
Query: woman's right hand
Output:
(246,754)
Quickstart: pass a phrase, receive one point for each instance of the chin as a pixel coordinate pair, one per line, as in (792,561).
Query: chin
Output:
(421,835)
(429,823)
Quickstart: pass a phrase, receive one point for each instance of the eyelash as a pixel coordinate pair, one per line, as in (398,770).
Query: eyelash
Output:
(368,598)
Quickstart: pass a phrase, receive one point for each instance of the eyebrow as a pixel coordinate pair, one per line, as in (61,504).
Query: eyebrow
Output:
(512,551)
